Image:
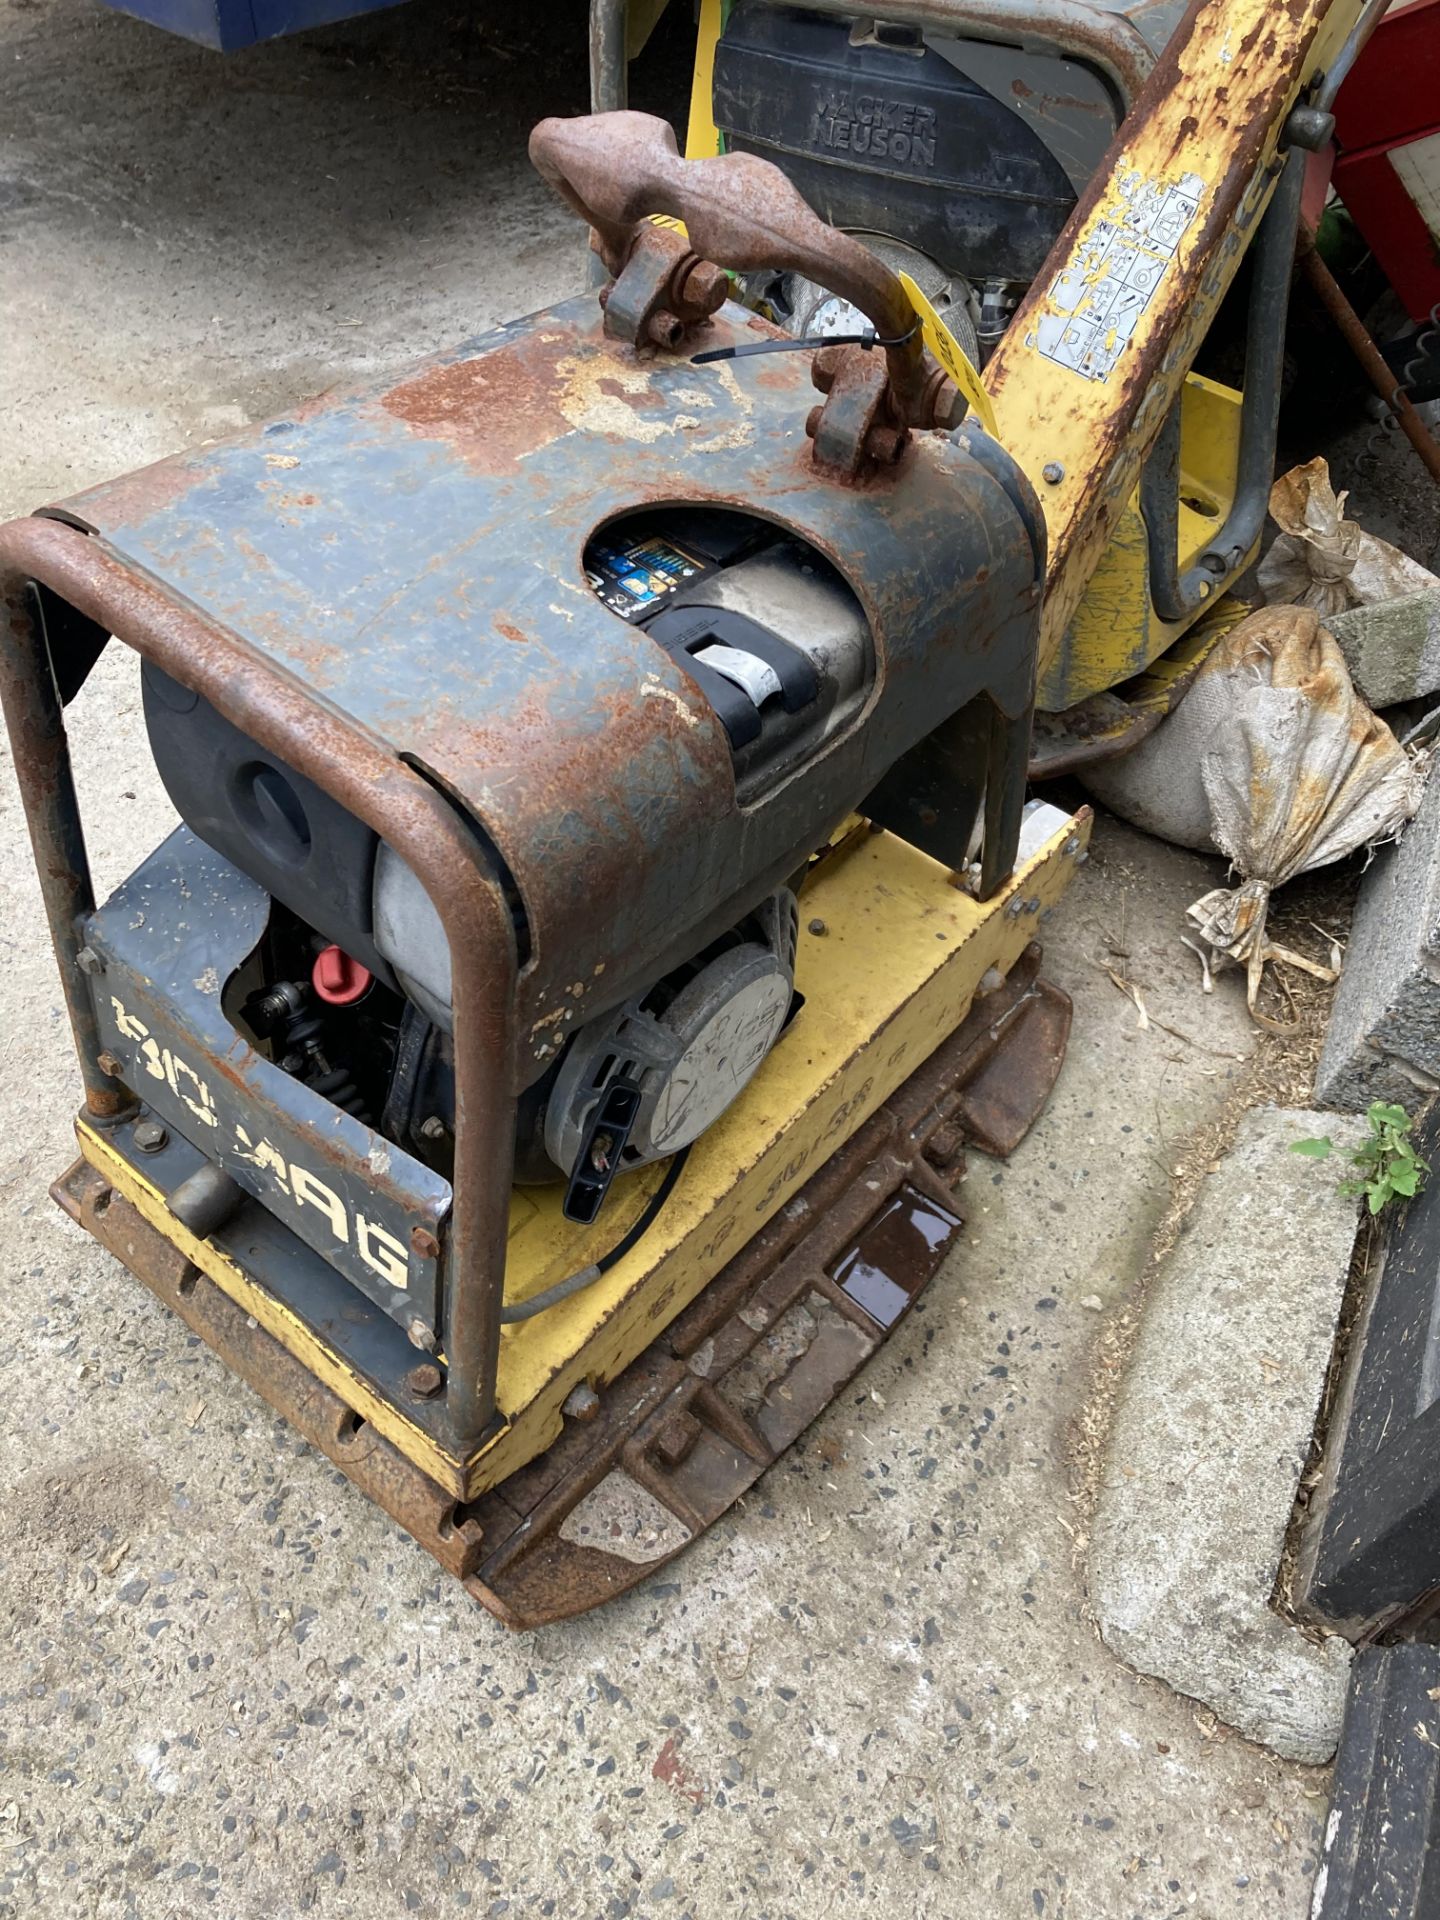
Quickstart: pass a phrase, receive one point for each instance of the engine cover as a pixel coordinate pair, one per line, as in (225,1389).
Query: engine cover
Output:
(414,555)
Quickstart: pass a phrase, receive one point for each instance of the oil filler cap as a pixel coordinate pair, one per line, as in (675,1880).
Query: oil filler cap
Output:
(338,979)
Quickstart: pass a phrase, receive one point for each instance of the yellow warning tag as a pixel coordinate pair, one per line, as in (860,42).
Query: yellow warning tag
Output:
(943,344)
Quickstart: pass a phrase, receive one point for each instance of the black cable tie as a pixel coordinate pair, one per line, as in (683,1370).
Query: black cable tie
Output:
(866,340)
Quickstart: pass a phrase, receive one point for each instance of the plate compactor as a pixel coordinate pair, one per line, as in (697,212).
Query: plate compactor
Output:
(605,900)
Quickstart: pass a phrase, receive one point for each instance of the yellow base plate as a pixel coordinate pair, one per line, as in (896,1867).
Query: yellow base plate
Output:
(891,955)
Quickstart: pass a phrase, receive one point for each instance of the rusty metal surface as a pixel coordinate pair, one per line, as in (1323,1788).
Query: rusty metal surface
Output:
(41,752)
(1008,1070)
(364,1456)
(742,212)
(343,758)
(1217,121)
(440,521)
(699,1416)
(776,1335)
(739,212)
(663,288)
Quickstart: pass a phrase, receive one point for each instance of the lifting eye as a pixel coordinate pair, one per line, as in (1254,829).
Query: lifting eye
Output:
(272,814)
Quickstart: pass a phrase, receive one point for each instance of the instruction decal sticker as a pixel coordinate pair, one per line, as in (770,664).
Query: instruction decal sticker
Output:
(1093,306)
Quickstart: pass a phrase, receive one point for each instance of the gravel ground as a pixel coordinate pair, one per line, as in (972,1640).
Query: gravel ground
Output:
(229,1684)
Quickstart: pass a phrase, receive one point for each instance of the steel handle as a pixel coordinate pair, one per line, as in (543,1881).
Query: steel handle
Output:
(616,169)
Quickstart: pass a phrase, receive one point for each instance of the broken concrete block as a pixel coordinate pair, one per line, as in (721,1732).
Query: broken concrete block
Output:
(1383,1041)
(1211,1434)
(1393,649)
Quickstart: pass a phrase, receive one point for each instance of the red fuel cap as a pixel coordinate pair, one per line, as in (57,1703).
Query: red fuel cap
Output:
(339,979)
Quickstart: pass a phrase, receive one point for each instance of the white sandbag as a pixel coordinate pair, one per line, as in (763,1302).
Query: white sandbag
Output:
(1324,561)
(1297,771)
(1157,786)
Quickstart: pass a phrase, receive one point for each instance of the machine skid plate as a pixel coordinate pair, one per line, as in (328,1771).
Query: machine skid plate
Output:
(663,1451)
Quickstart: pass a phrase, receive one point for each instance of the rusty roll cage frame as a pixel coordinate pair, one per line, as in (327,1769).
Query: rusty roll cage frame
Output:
(353,769)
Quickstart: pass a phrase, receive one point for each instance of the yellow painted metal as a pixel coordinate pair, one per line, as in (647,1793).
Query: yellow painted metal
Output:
(1116,632)
(1113,632)
(1110,723)
(702,137)
(293,1333)
(894,973)
(1204,131)
(902,955)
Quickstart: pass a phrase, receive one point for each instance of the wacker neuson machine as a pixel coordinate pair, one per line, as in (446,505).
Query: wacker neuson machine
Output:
(606,901)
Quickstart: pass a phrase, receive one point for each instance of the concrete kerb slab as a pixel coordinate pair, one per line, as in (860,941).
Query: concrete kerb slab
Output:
(1211,1433)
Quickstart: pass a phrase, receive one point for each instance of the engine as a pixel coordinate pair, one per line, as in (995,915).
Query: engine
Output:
(505,705)
(351,989)
(953,160)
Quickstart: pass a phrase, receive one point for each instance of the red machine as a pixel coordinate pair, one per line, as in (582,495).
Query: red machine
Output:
(1387,126)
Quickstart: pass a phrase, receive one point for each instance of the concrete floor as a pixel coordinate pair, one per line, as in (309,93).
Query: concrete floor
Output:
(230,1685)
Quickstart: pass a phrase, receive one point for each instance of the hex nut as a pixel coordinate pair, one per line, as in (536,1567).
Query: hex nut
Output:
(424,1381)
(420,1334)
(89,961)
(951,407)
(705,287)
(424,1243)
(150,1136)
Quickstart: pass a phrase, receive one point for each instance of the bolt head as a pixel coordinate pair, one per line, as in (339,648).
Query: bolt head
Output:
(1015,907)
(107,1063)
(1308,127)
(582,1403)
(951,407)
(816,926)
(705,287)
(424,1381)
(89,961)
(420,1334)
(1052,473)
(425,1243)
(150,1136)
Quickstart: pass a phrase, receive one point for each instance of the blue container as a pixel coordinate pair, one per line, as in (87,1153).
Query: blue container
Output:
(227,24)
